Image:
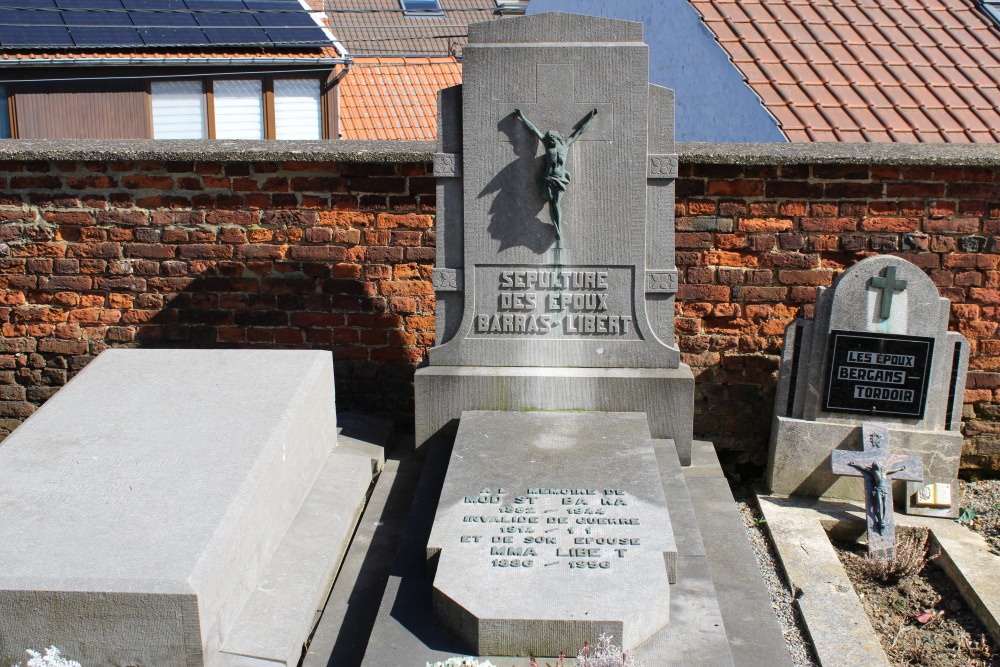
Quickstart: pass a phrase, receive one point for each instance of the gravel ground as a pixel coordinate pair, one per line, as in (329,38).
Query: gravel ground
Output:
(982,498)
(799,646)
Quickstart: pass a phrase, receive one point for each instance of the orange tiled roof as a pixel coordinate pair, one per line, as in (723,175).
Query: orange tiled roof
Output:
(866,70)
(25,57)
(394,98)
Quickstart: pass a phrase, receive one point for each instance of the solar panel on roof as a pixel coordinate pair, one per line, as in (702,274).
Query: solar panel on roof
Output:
(172,36)
(34,36)
(236,36)
(39,4)
(89,4)
(299,36)
(96,23)
(110,36)
(78,18)
(28,17)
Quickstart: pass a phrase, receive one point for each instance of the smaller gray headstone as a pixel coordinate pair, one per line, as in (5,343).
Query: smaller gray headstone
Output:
(552,528)
(878,347)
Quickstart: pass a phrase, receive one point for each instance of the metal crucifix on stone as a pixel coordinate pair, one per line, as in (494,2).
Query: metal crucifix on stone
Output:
(879,468)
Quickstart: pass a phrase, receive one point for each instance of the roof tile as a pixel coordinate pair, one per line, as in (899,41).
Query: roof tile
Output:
(866,70)
(394,97)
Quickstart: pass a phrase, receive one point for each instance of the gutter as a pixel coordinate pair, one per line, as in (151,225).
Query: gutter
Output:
(253,60)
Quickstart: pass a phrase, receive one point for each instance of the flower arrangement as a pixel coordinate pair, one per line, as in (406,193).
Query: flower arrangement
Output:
(461,662)
(52,658)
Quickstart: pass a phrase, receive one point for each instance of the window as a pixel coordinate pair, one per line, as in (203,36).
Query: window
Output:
(422,7)
(178,110)
(268,108)
(239,109)
(511,7)
(4,114)
(297,111)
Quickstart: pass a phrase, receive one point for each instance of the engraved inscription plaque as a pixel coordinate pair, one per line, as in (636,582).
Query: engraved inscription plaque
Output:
(878,374)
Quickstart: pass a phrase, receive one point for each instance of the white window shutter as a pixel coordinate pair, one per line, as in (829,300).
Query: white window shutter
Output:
(297,111)
(239,109)
(178,110)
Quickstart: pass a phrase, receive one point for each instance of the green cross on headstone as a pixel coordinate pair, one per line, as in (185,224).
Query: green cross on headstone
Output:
(888,285)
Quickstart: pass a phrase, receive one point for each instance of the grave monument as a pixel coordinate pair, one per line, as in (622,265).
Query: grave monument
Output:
(555,276)
(877,349)
(555,414)
(177,508)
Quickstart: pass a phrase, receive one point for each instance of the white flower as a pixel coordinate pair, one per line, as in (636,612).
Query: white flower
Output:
(50,659)
(461,662)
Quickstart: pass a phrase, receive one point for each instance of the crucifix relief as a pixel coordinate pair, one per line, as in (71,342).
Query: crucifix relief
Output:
(879,469)
(557,120)
(555,178)
(887,285)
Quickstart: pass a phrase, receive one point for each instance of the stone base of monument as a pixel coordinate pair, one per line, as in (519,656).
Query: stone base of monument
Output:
(718,612)
(443,393)
(800,456)
(177,507)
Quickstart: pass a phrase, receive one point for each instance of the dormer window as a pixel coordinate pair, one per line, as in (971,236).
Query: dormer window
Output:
(422,7)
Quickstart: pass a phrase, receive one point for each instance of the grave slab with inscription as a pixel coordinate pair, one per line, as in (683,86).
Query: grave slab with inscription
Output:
(555,275)
(554,537)
(877,349)
(177,508)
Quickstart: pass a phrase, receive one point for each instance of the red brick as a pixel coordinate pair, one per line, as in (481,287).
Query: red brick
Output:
(703,293)
(764,224)
(829,224)
(890,224)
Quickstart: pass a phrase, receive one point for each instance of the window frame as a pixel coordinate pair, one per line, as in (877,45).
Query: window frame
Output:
(267,90)
(418,13)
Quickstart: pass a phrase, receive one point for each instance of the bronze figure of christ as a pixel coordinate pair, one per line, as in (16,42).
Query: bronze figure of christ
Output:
(555,178)
(879,489)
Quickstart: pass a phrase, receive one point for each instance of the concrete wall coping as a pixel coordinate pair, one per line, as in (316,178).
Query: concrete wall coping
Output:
(394,152)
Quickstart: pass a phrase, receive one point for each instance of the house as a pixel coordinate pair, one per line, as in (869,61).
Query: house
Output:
(821,70)
(404,52)
(167,69)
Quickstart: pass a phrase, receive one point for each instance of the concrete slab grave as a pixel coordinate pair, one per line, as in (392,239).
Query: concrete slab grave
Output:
(157,511)
(537,548)
(555,415)
(835,618)
(877,348)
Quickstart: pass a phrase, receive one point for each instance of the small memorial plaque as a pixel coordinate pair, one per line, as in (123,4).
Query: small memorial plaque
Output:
(878,374)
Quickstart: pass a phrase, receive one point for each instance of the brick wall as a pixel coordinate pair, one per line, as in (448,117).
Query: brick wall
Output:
(313,255)
(333,251)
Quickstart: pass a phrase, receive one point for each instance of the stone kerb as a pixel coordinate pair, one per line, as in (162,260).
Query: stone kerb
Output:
(889,305)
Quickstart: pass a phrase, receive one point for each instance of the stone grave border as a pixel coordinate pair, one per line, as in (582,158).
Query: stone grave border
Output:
(831,610)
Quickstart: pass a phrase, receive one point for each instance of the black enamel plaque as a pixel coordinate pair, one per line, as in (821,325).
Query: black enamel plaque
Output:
(878,374)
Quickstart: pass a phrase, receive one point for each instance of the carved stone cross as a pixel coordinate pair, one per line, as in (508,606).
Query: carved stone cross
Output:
(887,285)
(879,468)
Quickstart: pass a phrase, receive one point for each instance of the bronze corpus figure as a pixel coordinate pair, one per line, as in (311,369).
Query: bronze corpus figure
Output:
(555,178)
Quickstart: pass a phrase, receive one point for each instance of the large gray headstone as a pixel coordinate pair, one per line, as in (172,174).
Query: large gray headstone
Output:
(556,536)
(156,510)
(877,349)
(519,302)
(602,294)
